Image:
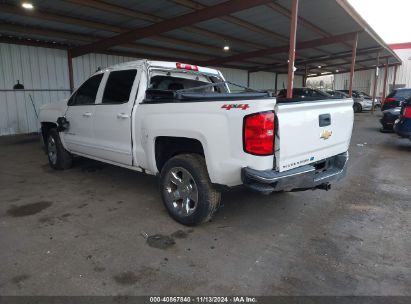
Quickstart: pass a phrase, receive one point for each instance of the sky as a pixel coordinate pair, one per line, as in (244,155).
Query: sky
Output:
(390,19)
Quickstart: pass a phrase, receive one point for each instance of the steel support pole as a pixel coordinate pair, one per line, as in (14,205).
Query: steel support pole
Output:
(384,90)
(353,57)
(395,76)
(291,52)
(70,70)
(305,76)
(374,89)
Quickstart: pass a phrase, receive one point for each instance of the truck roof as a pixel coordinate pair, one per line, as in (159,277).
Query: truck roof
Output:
(160,64)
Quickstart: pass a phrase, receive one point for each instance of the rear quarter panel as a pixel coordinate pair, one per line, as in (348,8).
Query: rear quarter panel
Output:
(219,130)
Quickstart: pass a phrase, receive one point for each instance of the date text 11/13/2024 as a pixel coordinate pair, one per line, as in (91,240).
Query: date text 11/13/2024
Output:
(204,299)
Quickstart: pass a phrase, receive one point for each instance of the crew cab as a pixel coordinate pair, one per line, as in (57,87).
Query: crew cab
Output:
(182,123)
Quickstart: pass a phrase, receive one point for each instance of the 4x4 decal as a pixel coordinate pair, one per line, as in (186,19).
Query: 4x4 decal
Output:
(235,106)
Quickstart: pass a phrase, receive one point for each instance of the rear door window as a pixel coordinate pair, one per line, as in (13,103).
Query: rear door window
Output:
(173,83)
(118,87)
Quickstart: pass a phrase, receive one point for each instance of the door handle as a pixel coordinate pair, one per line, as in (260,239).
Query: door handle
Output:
(87,114)
(122,116)
(324,120)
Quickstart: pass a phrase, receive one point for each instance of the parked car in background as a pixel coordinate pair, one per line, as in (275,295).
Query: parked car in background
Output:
(377,102)
(388,118)
(402,126)
(305,93)
(362,101)
(395,98)
(337,94)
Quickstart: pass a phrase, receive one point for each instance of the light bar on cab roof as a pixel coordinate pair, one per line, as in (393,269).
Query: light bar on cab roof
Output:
(185,66)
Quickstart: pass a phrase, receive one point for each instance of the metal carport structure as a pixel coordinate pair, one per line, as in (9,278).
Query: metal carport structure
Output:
(330,36)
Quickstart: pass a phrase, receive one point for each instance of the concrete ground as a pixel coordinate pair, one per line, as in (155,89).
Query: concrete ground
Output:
(80,232)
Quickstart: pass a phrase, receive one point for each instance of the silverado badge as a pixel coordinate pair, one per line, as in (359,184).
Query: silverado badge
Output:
(326,134)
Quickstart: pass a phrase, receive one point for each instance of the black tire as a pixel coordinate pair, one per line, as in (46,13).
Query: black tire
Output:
(357,108)
(386,130)
(208,198)
(59,158)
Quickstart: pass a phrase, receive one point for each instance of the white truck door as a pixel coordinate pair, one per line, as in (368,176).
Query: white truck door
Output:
(80,111)
(112,117)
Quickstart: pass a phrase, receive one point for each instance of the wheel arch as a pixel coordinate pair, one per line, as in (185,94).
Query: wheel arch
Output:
(46,126)
(165,147)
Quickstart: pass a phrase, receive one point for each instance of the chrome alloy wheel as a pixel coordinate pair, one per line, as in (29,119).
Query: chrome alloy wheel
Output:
(181,191)
(52,150)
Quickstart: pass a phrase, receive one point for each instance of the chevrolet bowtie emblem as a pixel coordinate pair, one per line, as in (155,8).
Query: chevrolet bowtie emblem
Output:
(326,134)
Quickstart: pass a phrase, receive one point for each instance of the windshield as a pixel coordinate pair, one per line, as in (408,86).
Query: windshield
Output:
(365,95)
(355,94)
(402,94)
(304,93)
(340,94)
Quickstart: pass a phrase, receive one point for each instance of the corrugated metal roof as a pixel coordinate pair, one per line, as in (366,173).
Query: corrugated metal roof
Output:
(161,8)
(325,18)
(68,9)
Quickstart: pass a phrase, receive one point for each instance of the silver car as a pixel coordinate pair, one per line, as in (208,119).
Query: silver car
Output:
(362,101)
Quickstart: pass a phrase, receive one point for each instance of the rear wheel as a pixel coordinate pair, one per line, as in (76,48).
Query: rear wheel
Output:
(357,108)
(186,189)
(59,158)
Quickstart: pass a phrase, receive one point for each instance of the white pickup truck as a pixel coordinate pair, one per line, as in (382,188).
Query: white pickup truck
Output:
(181,122)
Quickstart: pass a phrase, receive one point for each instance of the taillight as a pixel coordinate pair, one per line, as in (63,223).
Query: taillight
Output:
(258,133)
(185,66)
(390,99)
(407,112)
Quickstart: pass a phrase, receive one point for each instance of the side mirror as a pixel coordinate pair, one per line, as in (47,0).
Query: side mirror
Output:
(62,124)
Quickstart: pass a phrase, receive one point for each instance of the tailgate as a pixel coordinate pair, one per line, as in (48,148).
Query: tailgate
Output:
(311,131)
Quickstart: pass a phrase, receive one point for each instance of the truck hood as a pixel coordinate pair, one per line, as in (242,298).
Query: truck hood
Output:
(51,111)
(59,105)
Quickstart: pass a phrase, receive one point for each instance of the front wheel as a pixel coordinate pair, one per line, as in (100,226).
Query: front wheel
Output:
(186,189)
(357,108)
(59,158)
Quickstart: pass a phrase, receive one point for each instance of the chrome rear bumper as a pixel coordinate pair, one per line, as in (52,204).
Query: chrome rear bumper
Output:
(318,175)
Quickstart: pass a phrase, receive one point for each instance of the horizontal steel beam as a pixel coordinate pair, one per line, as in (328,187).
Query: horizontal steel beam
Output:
(116,9)
(30,42)
(234,20)
(318,59)
(208,13)
(79,39)
(41,15)
(283,49)
(61,46)
(356,70)
(140,48)
(326,66)
(201,47)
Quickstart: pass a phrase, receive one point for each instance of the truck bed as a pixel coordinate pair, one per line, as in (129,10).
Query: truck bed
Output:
(155,96)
